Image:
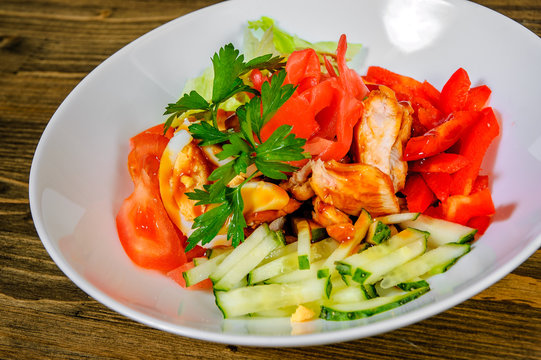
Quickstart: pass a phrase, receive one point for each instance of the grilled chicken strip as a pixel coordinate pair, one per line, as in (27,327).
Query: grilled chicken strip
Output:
(381,134)
(352,187)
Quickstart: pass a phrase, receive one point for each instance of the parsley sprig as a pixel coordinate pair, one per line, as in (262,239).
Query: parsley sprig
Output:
(228,65)
(244,147)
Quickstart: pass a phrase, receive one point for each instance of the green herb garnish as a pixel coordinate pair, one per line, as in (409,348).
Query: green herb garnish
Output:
(242,147)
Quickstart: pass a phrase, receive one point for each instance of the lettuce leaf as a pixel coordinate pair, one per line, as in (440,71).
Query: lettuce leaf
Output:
(263,36)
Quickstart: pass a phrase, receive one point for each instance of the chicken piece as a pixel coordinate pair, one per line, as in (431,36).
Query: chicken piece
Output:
(326,214)
(298,184)
(352,187)
(399,167)
(381,133)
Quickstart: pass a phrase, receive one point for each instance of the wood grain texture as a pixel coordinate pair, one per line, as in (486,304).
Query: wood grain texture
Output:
(46,48)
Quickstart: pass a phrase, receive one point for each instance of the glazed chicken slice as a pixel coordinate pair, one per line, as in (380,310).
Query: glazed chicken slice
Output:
(381,134)
(352,187)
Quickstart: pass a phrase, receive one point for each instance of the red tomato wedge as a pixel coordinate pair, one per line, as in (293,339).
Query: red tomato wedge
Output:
(147,149)
(145,231)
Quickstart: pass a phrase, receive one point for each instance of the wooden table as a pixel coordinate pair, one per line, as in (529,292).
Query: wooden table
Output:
(46,48)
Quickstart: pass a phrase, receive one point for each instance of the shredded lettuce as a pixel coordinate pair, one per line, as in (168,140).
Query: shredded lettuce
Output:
(263,36)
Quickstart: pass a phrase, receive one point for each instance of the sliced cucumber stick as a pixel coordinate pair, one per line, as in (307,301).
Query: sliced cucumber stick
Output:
(433,261)
(303,247)
(366,308)
(248,263)
(441,231)
(240,252)
(254,299)
(373,271)
(349,264)
(203,270)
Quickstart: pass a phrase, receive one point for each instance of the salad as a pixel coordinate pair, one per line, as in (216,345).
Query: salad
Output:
(290,185)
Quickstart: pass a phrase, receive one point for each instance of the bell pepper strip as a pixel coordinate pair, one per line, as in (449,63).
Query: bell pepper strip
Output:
(323,100)
(349,79)
(176,275)
(329,67)
(418,195)
(435,211)
(440,163)
(477,98)
(429,116)
(439,183)
(461,208)
(480,183)
(480,223)
(405,87)
(473,145)
(454,93)
(441,137)
(349,111)
(429,92)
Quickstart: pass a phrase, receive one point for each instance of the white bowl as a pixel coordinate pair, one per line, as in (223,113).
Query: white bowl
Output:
(79,176)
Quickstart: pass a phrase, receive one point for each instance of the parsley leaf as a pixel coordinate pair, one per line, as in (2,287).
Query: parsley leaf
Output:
(208,225)
(235,231)
(208,134)
(239,146)
(282,146)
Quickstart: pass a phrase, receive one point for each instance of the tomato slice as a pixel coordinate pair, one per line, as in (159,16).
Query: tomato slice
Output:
(144,228)
(147,149)
(145,231)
